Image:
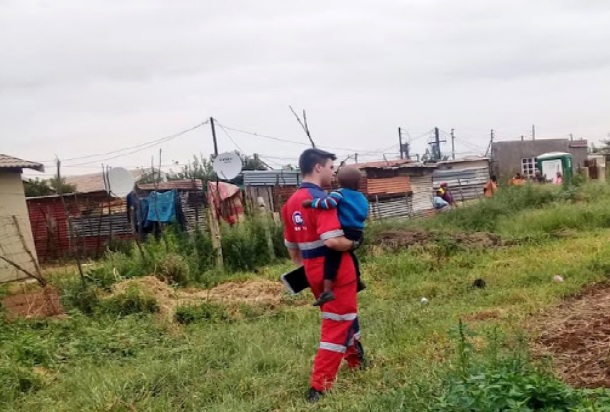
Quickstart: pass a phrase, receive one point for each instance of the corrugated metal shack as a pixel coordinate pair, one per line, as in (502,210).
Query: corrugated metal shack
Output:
(90,217)
(465,178)
(397,188)
(274,186)
(94,218)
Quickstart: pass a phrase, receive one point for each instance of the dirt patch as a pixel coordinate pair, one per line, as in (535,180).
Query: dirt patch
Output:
(40,303)
(405,238)
(262,292)
(253,292)
(576,334)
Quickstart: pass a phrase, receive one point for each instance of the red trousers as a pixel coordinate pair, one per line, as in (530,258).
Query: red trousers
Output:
(340,327)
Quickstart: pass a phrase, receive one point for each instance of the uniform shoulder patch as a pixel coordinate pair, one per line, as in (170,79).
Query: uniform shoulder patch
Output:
(297,218)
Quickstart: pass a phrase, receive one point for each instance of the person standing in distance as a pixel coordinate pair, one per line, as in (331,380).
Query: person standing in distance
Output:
(308,233)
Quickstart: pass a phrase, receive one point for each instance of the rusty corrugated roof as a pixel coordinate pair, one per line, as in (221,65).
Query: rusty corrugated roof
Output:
(381,164)
(10,162)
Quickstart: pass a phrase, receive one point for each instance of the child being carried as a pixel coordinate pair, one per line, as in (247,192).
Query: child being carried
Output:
(352,209)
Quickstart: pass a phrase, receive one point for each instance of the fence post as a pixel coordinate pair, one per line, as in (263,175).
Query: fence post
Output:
(215,229)
(266,223)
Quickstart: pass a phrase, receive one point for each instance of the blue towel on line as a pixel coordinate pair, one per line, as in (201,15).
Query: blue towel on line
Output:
(162,206)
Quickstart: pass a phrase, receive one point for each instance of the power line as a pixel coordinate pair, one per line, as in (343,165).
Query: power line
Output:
(224,130)
(280,139)
(138,147)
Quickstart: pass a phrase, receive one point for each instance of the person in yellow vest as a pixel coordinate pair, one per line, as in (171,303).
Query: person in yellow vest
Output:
(491,187)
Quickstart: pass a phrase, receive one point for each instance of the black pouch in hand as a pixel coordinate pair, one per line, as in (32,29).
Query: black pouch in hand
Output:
(295,280)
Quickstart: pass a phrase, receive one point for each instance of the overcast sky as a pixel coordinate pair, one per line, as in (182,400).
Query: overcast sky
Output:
(79,78)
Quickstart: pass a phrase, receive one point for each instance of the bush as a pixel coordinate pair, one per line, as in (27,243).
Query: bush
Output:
(16,380)
(124,246)
(132,301)
(244,246)
(174,269)
(204,312)
(506,381)
(82,297)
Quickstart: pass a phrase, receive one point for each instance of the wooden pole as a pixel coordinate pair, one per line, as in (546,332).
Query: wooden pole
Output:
(264,214)
(215,232)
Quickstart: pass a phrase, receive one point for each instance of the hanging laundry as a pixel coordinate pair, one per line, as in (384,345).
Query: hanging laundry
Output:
(162,206)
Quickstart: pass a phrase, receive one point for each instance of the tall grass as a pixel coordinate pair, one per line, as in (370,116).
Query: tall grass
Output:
(184,258)
(118,361)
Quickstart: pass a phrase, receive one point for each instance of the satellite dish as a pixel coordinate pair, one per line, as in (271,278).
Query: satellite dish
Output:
(227,165)
(119,182)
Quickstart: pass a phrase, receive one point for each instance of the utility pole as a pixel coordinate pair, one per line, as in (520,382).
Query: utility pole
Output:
(453,144)
(437,141)
(571,137)
(213,217)
(214,136)
(400,143)
(533,132)
(491,142)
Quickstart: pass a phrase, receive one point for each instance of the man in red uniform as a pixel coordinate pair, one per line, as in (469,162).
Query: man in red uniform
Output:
(308,233)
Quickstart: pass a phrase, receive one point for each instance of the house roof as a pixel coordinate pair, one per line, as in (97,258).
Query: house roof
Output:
(382,164)
(94,182)
(272,177)
(10,162)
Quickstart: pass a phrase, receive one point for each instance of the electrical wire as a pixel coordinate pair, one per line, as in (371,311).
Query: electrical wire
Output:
(224,130)
(138,147)
(280,139)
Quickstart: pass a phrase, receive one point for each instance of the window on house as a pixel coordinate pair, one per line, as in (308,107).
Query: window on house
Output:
(528,166)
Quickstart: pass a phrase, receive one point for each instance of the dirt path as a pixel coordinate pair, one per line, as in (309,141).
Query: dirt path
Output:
(576,334)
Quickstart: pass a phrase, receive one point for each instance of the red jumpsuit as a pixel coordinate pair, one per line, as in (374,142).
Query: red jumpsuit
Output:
(306,229)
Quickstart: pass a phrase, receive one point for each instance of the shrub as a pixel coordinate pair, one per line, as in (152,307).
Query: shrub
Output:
(131,301)
(506,381)
(16,380)
(174,269)
(206,311)
(82,297)
(120,245)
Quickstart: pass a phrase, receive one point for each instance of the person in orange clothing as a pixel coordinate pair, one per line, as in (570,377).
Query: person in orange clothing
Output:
(491,187)
(518,180)
(308,234)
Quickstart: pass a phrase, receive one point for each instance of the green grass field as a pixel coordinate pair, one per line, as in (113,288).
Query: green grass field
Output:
(419,358)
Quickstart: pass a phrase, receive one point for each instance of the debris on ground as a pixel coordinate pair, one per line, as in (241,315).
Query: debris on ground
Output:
(164,294)
(33,303)
(396,239)
(251,292)
(576,333)
(263,292)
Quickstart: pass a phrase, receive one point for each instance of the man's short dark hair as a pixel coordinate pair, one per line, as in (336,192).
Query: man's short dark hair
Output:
(311,157)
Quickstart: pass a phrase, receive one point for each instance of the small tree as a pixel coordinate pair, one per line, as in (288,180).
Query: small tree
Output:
(45,187)
(202,168)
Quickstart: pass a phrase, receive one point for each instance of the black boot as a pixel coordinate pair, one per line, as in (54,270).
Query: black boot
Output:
(324,297)
(314,395)
(361,285)
(360,350)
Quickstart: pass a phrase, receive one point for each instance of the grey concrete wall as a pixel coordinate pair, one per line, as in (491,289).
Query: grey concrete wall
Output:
(506,156)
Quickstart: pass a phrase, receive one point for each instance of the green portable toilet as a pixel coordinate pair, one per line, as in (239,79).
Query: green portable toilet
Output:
(551,163)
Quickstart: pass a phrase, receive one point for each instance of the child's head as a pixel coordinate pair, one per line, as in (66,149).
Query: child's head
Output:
(349,177)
